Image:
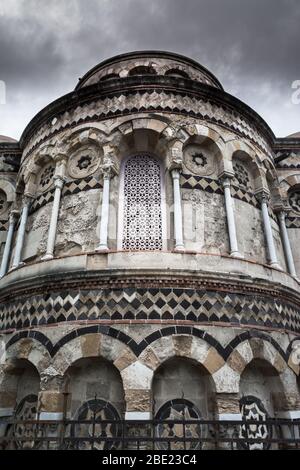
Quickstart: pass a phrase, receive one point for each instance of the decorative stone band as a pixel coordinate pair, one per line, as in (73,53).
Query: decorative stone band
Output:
(290,414)
(292,222)
(71,187)
(211,185)
(197,305)
(151,100)
(3,225)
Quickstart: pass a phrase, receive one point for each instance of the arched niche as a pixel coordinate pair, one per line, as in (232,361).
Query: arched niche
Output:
(178,380)
(94,384)
(261,381)
(246,172)
(19,388)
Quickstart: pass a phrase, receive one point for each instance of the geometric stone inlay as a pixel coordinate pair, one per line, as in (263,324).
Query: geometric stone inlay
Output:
(168,303)
(96,412)
(142,211)
(179,409)
(252,409)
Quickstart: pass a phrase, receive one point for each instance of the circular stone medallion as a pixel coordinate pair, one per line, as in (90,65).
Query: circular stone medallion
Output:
(84,162)
(199,160)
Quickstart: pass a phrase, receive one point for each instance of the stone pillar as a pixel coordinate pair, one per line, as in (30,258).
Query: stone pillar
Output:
(227,409)
(8,394)
(234,252)
(8,243)
(107,174)
(138,408)
(178,231)
(21,232)
(286,244)
(53,406)
(58,182)
(263,197)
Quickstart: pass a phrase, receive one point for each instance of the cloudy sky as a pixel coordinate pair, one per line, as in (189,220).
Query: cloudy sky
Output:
(252,46)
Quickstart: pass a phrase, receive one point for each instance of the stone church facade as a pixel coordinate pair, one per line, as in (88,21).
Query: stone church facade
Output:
(149,231)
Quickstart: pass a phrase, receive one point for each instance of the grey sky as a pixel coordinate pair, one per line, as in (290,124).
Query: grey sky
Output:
(252,46)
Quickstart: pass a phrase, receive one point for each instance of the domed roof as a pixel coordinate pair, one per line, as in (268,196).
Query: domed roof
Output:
(296,135)
(5,138)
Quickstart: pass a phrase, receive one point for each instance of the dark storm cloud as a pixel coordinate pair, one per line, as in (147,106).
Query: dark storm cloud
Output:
(252,46)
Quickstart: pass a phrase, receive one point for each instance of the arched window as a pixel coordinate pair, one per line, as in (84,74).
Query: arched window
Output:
(177,73)
(142,70)
(141,208)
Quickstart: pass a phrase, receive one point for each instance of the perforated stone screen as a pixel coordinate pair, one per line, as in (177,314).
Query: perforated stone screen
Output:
(142,208)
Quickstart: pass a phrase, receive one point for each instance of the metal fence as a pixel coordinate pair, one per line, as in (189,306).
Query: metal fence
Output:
(150,435)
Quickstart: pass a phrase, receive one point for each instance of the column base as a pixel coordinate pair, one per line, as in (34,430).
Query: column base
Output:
(13,268)
(47,257)
(275,266)
(102,249)
(236,254)
(179,249)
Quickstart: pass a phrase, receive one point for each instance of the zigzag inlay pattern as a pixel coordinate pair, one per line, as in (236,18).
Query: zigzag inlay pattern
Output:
(213,186)
(150,304)
(71,187)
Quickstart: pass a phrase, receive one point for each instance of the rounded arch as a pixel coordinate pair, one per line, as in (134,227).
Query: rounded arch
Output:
(87,344)
(245,347)
(201,350)
(35,349)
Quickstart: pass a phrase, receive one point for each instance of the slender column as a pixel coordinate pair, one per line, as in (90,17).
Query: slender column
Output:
(104,211)
(286,244)
(234,252)
(8,243)
(58,182)
(21,233)
(179,245)
(268,230)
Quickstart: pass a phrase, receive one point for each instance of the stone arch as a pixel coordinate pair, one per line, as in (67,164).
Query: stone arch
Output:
(92,344)
(30,347)
(243,349)
(191,347)
(83,135)
(142,134)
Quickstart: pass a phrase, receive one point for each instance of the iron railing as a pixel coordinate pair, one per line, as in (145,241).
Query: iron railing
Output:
(150,435)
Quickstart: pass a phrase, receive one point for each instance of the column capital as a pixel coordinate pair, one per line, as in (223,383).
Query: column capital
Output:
(27,199)
(263,195)
(175,160)
(14,214)
(175,172)
(108,171)
(59,181)
(60,158)
(225,178)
